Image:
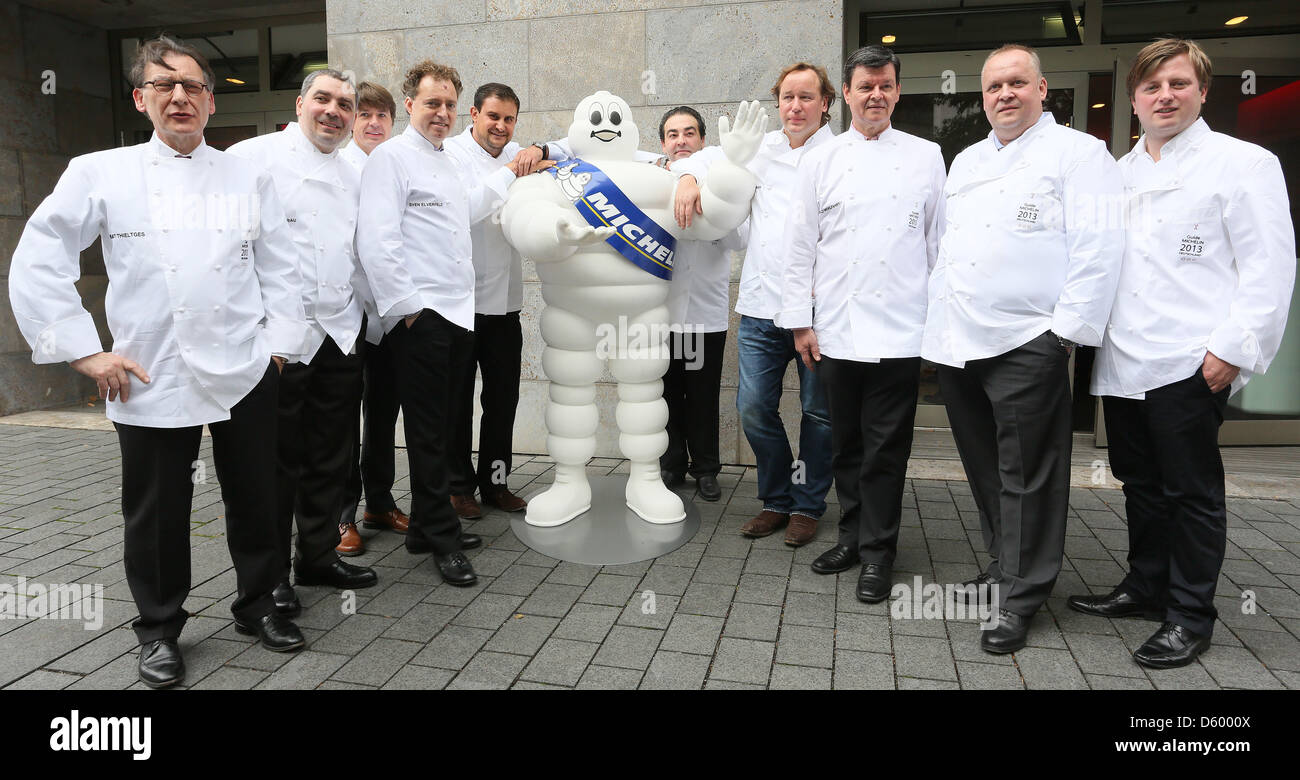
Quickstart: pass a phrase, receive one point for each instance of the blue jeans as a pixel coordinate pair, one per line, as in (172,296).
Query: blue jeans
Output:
(765,351)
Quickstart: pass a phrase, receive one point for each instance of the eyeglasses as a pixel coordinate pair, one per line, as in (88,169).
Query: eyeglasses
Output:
(165,86)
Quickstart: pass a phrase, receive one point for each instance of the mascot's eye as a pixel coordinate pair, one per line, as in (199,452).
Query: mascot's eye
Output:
(615,118)
(595,117)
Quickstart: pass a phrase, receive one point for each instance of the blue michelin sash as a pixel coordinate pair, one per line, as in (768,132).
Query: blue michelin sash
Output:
(637,237)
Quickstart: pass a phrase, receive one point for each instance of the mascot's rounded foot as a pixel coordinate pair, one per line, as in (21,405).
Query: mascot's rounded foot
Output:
(653,502)
(558,504)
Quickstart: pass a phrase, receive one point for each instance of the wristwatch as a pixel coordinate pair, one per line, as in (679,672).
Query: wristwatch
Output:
(546,155)
(1065,343)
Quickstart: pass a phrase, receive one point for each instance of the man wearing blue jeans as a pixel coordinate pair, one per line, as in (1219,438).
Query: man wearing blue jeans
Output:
(793,492)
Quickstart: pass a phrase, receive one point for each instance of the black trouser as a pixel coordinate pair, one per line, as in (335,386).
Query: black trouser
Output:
(430,353)
(373,467)
(873,410)
(1165,450)
(692,388)
(1010,416)
(319,402)
(498,344)
(158,473)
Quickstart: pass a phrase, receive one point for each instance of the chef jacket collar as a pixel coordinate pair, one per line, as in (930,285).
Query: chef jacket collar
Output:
(159,149)
(888,135)
(476,146)
(1184,141)
(779,138)
(420,141)
(1045,119)
(315,163)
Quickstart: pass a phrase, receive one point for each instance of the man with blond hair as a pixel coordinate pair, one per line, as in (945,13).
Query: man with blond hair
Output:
(1026,270)
(1203,296)
(792,492)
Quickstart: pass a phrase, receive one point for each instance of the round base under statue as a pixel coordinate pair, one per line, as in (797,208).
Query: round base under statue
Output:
(609,533)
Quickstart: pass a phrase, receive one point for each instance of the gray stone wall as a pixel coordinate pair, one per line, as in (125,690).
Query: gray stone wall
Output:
(655,54)
(39,133)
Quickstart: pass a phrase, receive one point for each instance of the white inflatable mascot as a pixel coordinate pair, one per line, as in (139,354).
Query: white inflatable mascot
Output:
(601,229)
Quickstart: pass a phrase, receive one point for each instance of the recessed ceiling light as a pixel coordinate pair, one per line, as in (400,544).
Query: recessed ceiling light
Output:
(888,39)
(1134,137)
(1098,105)
(1235,20)
(234,80)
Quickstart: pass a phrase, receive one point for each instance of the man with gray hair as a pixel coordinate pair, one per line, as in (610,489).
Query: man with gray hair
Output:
(320,397)
(205,309)
(1027,268)
(857,309)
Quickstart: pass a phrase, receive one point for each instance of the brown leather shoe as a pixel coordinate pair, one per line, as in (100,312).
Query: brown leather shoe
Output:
(349,540)
(466,507)
(503,499)
(393,520)
(801,531)
(765,524)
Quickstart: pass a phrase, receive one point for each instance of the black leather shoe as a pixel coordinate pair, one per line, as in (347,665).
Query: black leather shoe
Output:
(339,574)
(286,600)
(969,592)
(671,478)
(1007,635)
(278,634)
(161,664)
(839,558)
(1115,604)
(709,489)
(470,541)
(1170,647)
(874,583)
(455,569)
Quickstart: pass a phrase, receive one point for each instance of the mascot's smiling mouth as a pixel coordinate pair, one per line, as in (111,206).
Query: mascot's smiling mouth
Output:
(606,135)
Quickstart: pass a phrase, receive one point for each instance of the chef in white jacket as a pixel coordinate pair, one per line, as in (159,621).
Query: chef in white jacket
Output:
(482,149)
(417,206)
(372,470)
(204,307)
(862,236)
(793,492)
(698,314)
(1209,268)
(320,396)
(1027,268)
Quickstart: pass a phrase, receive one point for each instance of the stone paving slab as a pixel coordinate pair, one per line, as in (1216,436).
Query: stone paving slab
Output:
(723,611)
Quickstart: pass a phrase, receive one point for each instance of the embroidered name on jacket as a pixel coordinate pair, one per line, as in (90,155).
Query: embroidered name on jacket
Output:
(425,203)
(602,204)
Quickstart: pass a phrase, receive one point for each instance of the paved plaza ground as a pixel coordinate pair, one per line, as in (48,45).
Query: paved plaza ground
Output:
(722,611)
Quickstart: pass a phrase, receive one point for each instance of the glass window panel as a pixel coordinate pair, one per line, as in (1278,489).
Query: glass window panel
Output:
(297,50)
(1036,24)
(1144,20)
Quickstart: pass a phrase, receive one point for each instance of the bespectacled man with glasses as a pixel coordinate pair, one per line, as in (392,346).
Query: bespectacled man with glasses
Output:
(204,306)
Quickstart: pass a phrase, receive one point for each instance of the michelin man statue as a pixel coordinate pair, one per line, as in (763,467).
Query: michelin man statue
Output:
(601,230)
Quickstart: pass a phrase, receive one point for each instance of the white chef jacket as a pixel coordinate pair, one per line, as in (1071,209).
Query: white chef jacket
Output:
(774,165)
(861,238)
(1028,244)
(319,194)
(1209,263)
(202,278)
(498,268)
(413,228)
(698,299)
(354,155)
